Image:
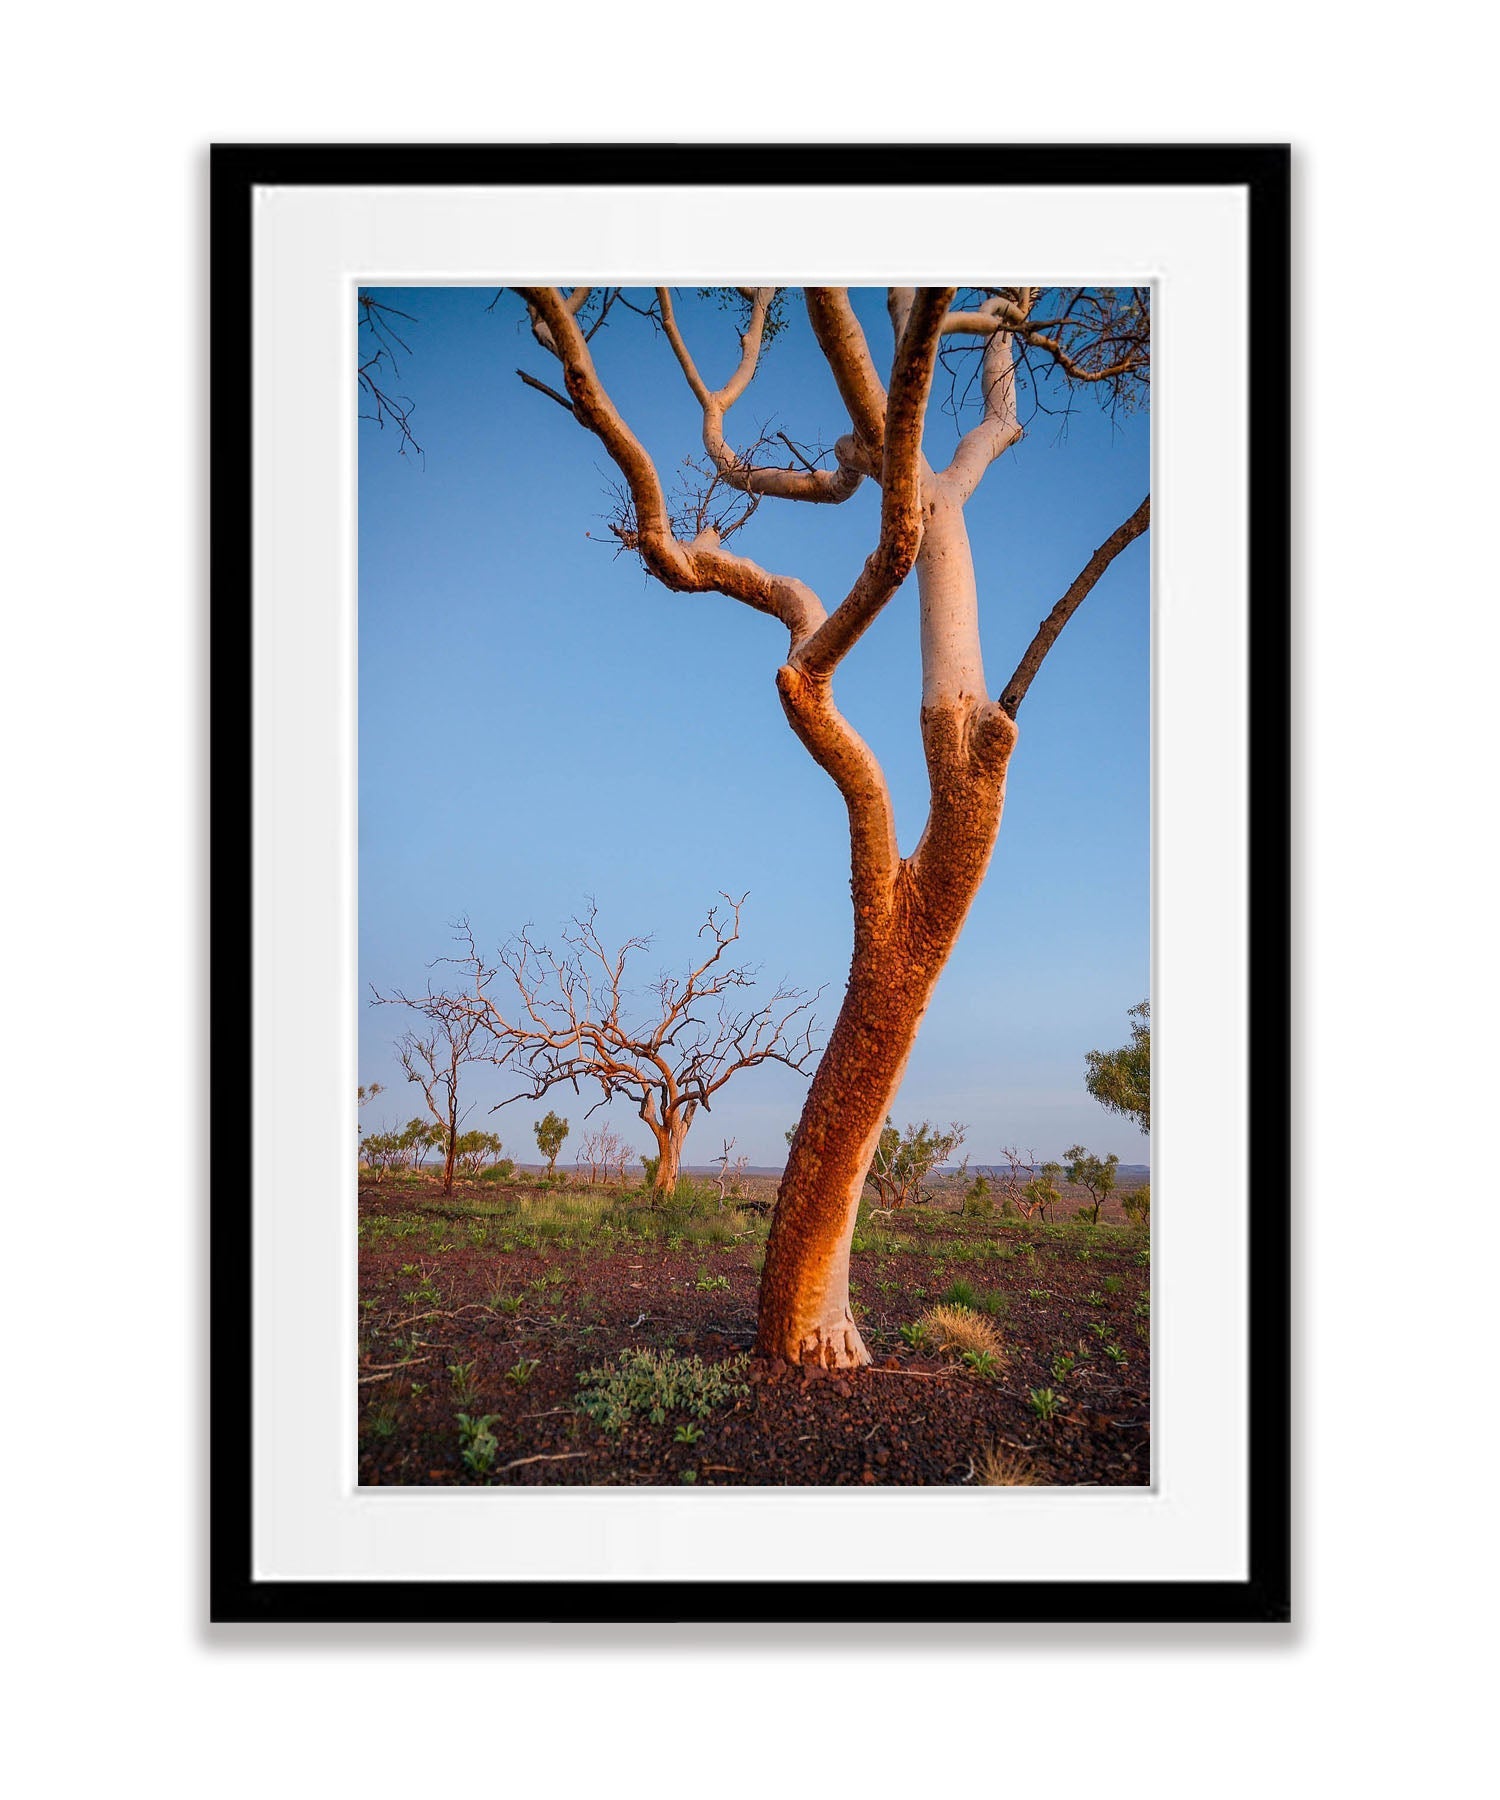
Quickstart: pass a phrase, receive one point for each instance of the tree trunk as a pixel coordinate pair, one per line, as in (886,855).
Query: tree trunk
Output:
(670,1136)
(450,1157)
(905,926)
(804,1295)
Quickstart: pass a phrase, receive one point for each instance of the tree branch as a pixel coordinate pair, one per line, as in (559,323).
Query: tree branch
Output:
(1051,627)
(901,474)
(828,486)
(700,566)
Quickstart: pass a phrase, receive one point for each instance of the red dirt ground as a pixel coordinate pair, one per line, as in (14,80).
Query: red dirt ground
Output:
(438,1280)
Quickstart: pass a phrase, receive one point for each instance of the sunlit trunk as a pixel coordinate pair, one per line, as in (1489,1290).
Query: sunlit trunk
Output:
(904,932)
(670,1135)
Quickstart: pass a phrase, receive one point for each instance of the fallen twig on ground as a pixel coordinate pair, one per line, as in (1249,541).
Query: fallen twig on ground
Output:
(521,1461)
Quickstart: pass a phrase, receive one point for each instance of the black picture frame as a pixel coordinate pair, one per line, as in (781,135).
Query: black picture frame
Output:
(1263,171)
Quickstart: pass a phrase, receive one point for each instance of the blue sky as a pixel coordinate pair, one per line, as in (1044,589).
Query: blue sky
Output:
(540,722)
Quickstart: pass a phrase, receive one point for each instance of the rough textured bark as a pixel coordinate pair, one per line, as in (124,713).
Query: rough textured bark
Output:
(908,916)
(670,1134)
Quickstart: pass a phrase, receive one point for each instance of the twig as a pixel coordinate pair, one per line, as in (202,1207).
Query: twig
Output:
(391,1369)
(521,1461)
(417,1318)
(542,388)
(918,1374)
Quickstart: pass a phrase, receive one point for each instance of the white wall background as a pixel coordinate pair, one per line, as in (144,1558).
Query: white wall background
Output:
(1376,1690)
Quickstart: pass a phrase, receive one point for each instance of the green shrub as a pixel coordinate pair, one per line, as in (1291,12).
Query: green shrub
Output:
(977,1201)
(960,1293)
(654,1383)
(1137,1204)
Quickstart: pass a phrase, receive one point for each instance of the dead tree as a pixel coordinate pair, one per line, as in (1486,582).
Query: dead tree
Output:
(563,1017)
(723,1177)
(908,910)
(605,1152)
(434,1063)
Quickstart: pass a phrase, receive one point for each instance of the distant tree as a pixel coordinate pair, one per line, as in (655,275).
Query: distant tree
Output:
(384,1153)
(604,1151)
(1136,1203)
(567,1020)
(1040,1194)
(1121,1079)
(1094,1174)
(474,1151)
(420,1136)
(904,1160)
(435,1064)
(722,1159)
(551,1134)
(366,1095)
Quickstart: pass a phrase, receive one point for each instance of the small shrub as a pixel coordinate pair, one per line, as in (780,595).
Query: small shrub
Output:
(1043,1402)
(977,1201)
(654,1383)
(523,1371)
(914,1335)
(996,1466)
(461,1374)
(984,1363)
(961,1293)
(478,1443)
(960,1329)
(708,1284)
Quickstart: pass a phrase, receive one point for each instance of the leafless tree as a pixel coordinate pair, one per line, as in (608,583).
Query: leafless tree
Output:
(563,1017)
(604,1152)
(908,910)
(722,1159)
(435,1063)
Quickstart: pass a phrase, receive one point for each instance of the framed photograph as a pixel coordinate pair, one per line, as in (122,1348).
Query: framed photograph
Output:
(742,756)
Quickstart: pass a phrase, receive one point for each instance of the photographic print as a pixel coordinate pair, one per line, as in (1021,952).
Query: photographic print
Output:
(733,763)
(754,885)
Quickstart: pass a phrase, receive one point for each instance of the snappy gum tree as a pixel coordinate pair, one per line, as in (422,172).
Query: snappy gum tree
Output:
(569,1018)
(908,910)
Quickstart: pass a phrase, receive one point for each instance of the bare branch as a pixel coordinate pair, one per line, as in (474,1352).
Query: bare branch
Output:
(542,388)
(819,485)
(696,567)
(901,473)
(1051,627)
(565,1020)
(842,340)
